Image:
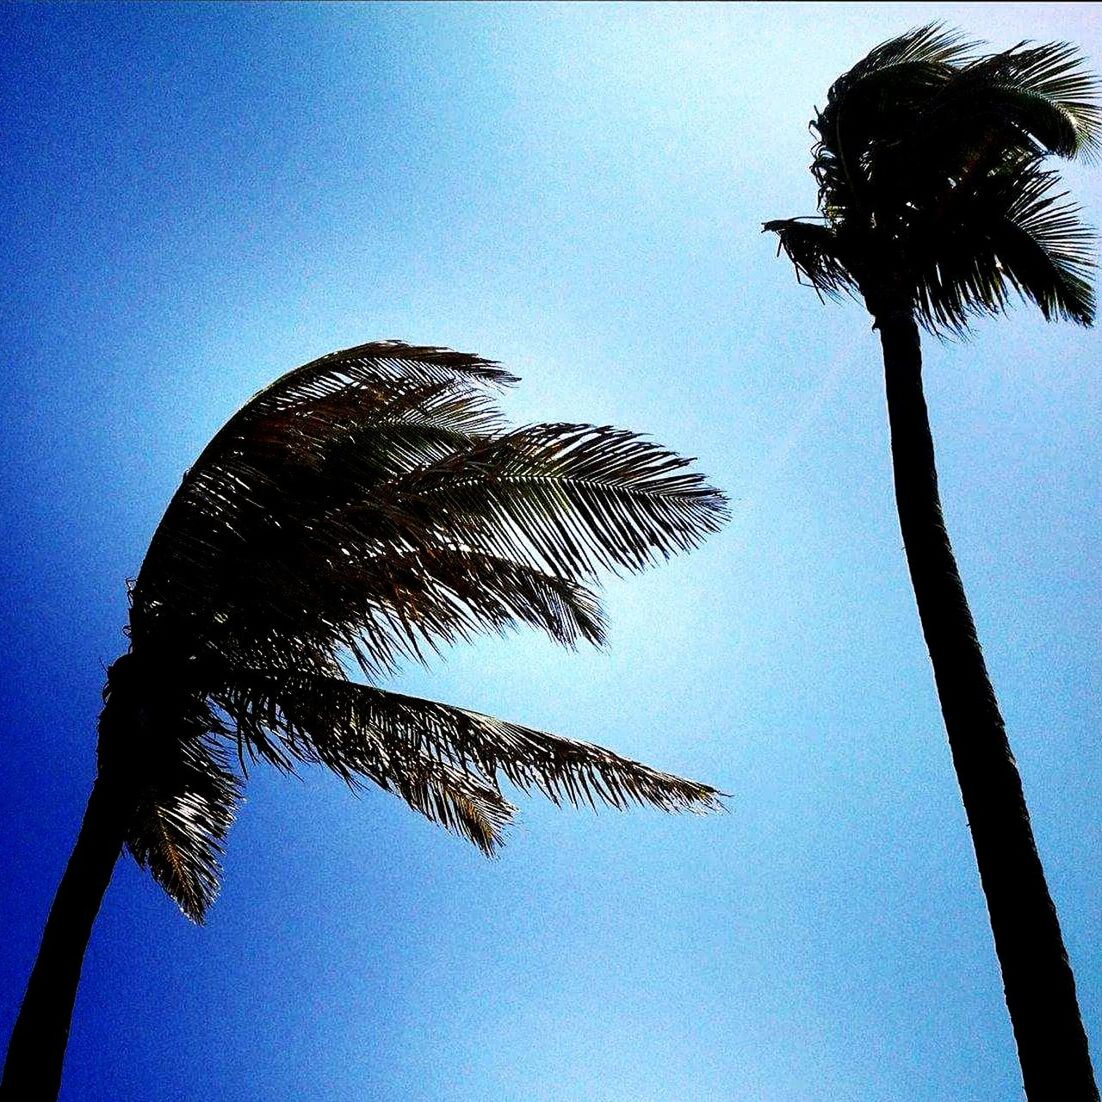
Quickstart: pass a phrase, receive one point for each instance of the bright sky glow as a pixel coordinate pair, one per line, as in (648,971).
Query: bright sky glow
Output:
(198,198)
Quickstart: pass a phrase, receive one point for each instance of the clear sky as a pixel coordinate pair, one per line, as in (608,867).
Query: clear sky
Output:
(196,199)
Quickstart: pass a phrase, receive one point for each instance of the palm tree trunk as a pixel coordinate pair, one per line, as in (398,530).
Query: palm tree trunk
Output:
(1038,982)
(32,1072)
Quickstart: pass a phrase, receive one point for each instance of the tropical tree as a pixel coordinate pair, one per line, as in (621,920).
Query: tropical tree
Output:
(937,207)
(366,508)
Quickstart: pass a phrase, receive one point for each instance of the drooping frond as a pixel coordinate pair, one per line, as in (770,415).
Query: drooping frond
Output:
(400,741)
(181,823)
(253,508)
(1052,79)
(1047,253)
(1014,107)
(159,735)
(1014,235)
(816,254)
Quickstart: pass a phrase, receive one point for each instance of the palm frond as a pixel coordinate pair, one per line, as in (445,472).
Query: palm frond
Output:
(872,103)
(317,551)
(395,361)
(388,604)
(931,44)
(360,731)
(1029,100)
(448,594)
(322,435)
(816,254)
(378,384)
(569,499)
(159,737)
(1011,232)
(182,820)
(1055,73)
(1047,252)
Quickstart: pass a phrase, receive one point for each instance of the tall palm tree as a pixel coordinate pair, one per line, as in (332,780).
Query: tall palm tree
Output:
(363,509)
(936,207)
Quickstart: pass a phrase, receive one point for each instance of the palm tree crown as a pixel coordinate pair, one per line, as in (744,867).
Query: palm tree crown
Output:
(363,509)
(932,187)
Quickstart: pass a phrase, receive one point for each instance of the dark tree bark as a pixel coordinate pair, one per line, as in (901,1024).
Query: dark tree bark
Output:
(36,1052)
(1038,982)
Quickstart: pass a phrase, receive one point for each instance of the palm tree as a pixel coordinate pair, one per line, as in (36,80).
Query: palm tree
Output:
(937,207)
(366,508)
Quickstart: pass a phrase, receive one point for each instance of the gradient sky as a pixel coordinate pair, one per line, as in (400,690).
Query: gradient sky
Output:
(199,198)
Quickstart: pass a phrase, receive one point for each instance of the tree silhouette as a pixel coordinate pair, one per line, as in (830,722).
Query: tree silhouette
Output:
(369,507)
(936,207)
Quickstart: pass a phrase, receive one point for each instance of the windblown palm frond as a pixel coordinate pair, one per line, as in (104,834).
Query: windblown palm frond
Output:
(394,740)
(373,505)
(1011,233)
(930,165)
(1045,91)
(569,499)
(932,44)
(817,253)
(158,734)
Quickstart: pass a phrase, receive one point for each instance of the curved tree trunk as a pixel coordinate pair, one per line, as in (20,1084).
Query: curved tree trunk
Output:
(32,1072)
(1039,987)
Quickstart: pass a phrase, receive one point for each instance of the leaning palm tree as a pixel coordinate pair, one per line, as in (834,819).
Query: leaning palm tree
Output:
(366,508)
(936,207)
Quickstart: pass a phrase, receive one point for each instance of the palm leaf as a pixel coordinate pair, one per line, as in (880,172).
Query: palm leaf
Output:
(1047,253)
(352,417)
(931,44)
(1011,232)
(1056,74)
(816,253)
(873,102)
(314,549)
(357,730)
(446,594)
(570,499)
(182,820)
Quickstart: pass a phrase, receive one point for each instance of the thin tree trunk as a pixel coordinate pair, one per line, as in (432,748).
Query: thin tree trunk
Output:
(1038,982)
(32,1072)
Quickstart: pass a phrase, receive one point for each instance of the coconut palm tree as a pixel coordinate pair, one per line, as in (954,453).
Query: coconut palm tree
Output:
(936,207)
(366,508)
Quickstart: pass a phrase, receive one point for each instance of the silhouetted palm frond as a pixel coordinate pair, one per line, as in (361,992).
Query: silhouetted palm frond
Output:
(817,254)
(1010,233)
(394,740)
(159,741)
(374,505)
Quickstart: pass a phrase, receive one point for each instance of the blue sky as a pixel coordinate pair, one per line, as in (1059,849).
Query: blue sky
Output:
(198,198)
